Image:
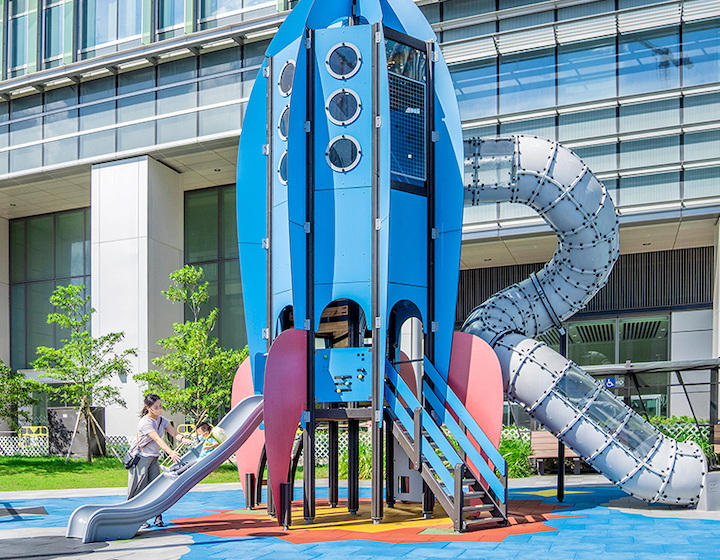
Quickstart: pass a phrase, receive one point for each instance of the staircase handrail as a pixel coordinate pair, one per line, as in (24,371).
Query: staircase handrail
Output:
(477,460)
(435,462)
(428,423)
(446,395)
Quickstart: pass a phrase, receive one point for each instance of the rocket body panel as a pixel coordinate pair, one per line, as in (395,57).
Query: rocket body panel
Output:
(297,174)
(404,16)
(251,216)
(342,128)
(343,248)
(326,14)
(407,278)
(280,91)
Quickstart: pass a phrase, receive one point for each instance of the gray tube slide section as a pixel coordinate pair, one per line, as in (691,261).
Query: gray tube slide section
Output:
(94,523)
(610,436)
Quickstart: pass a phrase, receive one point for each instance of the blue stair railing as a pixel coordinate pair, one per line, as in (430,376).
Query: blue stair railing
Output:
(447,470)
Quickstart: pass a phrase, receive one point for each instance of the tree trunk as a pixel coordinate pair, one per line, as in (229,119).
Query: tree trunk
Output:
(86,413)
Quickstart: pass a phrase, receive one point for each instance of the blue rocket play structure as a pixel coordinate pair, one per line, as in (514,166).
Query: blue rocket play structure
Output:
(350,203)
(350,198)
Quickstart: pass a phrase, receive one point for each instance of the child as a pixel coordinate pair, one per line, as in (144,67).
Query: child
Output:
(210,437)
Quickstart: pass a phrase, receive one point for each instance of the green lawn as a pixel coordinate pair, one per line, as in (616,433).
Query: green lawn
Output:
(49,473)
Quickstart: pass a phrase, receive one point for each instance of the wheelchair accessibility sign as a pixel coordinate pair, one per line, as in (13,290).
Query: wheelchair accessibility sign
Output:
(613,382)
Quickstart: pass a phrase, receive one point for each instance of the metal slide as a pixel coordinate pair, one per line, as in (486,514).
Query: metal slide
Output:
(610,436)
(95,523)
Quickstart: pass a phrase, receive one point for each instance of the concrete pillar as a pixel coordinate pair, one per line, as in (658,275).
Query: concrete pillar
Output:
(5,291)
(137,241)
(691,339)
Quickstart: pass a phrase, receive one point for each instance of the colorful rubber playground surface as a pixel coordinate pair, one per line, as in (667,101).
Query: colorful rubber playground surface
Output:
(211,522)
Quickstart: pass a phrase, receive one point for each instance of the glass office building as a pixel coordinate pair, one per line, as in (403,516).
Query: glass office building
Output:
(119,124)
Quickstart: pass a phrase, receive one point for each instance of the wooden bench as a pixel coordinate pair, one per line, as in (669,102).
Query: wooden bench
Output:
(545,446)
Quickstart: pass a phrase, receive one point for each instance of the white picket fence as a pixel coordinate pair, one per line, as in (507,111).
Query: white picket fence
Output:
(15,446)
(37,446)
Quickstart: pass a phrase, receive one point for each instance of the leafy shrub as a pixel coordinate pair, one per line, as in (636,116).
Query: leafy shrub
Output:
(516,451)
(365,462)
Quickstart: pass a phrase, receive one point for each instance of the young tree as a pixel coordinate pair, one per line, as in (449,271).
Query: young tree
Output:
(16,393)
(196,374)
(83,363)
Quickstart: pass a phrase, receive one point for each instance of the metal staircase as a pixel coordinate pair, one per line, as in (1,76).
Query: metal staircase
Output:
(438,438)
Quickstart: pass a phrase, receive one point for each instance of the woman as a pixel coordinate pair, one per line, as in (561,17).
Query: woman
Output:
(149,441)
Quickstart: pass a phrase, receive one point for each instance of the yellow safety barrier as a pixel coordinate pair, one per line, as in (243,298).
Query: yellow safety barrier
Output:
(34,431)
(34,440)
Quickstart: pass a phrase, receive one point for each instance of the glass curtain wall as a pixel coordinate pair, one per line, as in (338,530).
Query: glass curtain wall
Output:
(40,33)
(211,243)
(45,252)
(599,97)
(122,115)
(615,340)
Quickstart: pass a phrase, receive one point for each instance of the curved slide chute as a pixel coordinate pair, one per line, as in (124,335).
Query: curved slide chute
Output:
(95,523)
(609,435)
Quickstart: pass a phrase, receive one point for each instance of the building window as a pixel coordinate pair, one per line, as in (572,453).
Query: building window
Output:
(592,342)
(54,31)
(216,13)
(109,25)
(45,252)
(586,72)
(527,81)
(211,243)
(476,90)
(649,61)
(171,18)
(18,16)
(614,341)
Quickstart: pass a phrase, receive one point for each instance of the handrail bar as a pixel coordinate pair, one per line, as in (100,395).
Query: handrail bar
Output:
(445,394)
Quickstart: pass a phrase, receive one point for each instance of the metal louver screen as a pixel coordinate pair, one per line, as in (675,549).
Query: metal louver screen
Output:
(642,281)
(551,338)
(641,330)
(407,122)
(591,333)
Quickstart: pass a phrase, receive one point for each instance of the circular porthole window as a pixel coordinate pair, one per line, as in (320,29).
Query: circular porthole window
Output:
(284,123)
(283,168)
(343,153)
(285,81)
(343,61)
(343,106)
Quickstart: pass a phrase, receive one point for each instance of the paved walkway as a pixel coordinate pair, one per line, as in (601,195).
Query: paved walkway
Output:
(210,522)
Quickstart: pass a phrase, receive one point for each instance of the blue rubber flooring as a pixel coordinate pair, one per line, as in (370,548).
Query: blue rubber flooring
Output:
(591,528)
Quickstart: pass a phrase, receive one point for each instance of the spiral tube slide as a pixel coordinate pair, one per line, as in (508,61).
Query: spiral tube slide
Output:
(609,435)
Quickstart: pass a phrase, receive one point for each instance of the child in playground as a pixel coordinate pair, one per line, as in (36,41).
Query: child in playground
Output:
(210,438)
